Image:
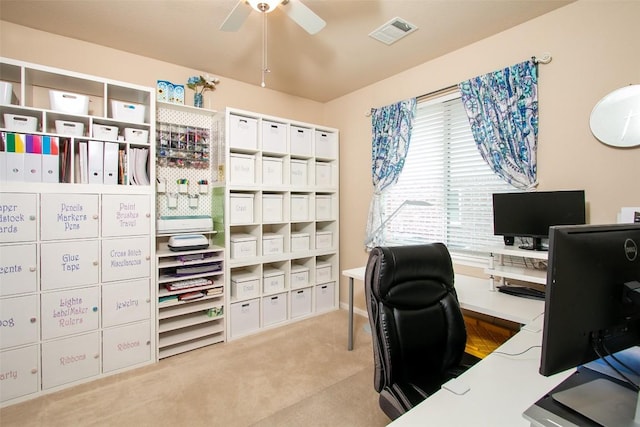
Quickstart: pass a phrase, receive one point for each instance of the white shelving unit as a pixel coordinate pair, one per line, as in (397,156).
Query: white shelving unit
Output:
(498,268)
(76,301)
(186,166)
(281,225)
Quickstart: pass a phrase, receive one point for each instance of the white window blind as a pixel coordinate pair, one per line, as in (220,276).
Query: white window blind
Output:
(445,169)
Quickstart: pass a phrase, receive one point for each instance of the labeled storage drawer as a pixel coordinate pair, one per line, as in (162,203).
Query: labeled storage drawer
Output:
(125,258)
(272,280)
(243,246)
(323,272)
(241,208)
(274,137)
(242,169)
(245,317)
(126,346)
(69,216)
(19,269)
(244,285)
(125,302)
(299,207)
(325,296)
(299,276)
(299,242)
(20,211)
(20,372)
(300,302)
(324,239)
(299,172)
(125,215)
(271,171)
(19,320)
(323,207)
(274,309)
(70,359)
(70,264)
(300,140)
(323,174)
(272,244)
(272,207)
(243,132)
(70,312)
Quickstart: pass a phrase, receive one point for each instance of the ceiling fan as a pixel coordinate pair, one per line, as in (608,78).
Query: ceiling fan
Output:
(294,9)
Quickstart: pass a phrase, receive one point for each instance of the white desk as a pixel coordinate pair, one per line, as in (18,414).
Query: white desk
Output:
(473,295)
(501,388)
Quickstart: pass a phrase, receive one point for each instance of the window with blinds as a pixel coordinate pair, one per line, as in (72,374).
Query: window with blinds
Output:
(443,168)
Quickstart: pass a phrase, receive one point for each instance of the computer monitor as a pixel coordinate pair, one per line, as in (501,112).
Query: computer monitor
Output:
(592,304)
(530,214)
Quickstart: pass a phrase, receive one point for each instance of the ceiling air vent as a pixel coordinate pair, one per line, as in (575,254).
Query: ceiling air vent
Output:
(393,31)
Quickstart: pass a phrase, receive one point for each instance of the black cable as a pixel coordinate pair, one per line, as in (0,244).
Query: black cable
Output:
(598,352)
(613,356)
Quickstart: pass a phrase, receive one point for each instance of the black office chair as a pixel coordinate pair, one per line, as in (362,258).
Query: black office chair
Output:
(417,327)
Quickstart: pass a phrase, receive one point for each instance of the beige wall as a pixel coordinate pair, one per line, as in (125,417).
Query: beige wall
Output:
(594,49)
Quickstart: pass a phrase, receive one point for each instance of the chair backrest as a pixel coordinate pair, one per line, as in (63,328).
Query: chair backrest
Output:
(417,326)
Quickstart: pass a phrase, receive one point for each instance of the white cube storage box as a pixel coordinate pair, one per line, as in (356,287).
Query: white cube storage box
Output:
(299,276)
(103,132)
(244,285)
(326,145)
(300,141)
(325,296)
(299,172)
(243,246)
(64,127)
(241,208)
(323,272)
(242,169)
(272,280)
(323,207)
(245,317)
(67,102)
(243,132)
(274,137)
(274,309)
(136,135)
(300,302)
(20,123)
(272,171)
(300,242)
(299,207)
(323,174)
(127,111)
(272,244)
(272,207)
(324,239)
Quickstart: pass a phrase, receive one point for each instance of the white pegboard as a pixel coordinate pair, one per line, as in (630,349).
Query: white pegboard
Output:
(182,124)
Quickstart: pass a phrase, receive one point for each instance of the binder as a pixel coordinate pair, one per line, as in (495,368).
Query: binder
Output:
(33,158)
(82,159)
(50,159)
(15,157)
(3,157)
(111,163)
(96,162)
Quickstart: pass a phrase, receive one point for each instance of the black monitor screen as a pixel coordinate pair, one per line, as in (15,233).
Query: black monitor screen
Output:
(588,299)
(530,214)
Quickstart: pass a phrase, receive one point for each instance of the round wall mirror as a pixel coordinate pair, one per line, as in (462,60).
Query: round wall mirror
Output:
(615,120)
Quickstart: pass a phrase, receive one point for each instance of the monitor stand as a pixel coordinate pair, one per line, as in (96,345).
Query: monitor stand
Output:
(602,401)
(536,245)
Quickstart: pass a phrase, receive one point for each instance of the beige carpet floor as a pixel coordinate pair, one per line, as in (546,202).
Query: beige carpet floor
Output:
(297,375)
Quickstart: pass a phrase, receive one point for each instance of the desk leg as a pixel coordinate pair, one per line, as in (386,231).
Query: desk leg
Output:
(350,343)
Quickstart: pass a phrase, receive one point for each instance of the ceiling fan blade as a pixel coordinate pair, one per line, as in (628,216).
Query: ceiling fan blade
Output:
(236,18)
(303,16)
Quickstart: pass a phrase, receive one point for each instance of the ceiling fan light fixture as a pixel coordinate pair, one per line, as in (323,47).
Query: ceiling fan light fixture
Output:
(264,6)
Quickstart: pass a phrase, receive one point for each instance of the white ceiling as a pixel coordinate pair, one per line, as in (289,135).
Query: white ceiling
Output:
(339,59)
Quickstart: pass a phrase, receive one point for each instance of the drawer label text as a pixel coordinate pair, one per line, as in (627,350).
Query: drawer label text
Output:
(125,258)
(9,217)
(71,216)
(126,215)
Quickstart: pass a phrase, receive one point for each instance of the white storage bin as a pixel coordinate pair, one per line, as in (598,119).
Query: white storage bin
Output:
(136,135)
(325,296)
(243,132)
(274,309)
(19,123)
(324,239)
(127,111)
(271,171)
(299,172)
(103,132)
(274,137)
(243,246)
(323,207)
(244,285)
(67,102)
(272,243)
(241,208)
(299,276)
(299,242)
(272,207)
(69,128)
(299,207)
(242,168)
(326,145)
(245,317)
(272,280)
(323,174)
(323,272)
(300,302)
(300,140)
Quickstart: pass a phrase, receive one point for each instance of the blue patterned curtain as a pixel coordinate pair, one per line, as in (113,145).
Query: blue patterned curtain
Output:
(391,132)
(503,111)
